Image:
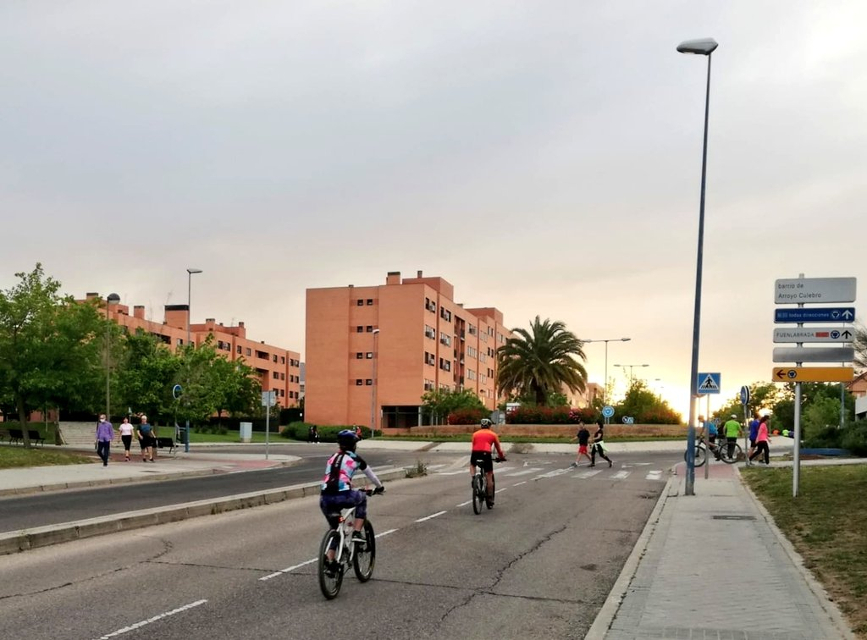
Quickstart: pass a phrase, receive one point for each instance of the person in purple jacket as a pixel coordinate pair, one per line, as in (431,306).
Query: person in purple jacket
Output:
(104,436)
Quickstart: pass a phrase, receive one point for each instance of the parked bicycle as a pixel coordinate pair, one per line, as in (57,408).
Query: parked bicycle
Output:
(718,450)
(360,554)
(480,489)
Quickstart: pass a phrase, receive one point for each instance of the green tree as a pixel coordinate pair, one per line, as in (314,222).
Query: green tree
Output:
(442,402)
(646,407)
(49,345)
(541,361)
(146,374)
(764,396)
(238,390)
(202,396)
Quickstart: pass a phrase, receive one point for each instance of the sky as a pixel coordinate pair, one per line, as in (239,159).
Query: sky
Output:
(542,156)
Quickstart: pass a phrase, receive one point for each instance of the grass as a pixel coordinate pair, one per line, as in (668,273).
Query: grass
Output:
(827,525)
(232,437)
(17,456)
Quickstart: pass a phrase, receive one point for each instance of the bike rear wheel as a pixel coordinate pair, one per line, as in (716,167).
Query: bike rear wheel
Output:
(738,453)
(700,455)
(365,554)
(329,579)
(489,502)
(478,492)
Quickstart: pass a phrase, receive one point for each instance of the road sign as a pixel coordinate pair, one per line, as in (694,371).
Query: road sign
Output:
(628,420)
(607,411)
(814,354)
(177,391)
(821,314)
(269,398)
(813,374)
(745,394)
(814,334)
(814,290)
(708,383)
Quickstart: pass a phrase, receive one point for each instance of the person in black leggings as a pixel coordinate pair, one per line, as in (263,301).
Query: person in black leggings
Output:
(599,446)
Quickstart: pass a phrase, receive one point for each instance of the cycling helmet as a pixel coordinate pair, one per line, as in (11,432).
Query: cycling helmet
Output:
(347,439)
(486,424)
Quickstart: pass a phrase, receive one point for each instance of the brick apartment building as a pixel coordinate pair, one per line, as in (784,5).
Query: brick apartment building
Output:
(389,344)
(278,368)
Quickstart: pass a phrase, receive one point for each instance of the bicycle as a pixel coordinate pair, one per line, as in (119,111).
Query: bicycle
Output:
(480,488)
(361,555)
(719,451)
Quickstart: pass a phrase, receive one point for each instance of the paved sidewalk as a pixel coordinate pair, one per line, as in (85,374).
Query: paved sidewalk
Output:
(715,568)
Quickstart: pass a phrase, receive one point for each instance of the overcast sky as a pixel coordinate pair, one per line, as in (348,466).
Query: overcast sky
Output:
(544,157)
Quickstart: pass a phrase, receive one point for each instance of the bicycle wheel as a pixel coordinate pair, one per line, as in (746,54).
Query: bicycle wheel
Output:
(329,581)
(490,502)
(700,455)
(738,454)
(365,554)
(477,494)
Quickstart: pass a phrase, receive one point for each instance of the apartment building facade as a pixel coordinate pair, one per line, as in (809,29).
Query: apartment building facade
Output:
(278,368)
(372,352)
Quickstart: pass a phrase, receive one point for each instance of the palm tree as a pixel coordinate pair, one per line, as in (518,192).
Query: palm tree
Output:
(860,345)
(541,361)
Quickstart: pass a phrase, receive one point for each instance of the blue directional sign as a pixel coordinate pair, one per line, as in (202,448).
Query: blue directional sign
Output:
(745,394)
(708,383)
(607,411)
(821,314)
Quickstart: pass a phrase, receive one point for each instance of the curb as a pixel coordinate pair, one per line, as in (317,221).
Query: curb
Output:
(837,618)
(612,603)
(85,484)
(36,538)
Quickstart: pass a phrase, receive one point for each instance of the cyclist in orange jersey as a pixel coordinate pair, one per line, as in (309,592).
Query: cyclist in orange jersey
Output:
(483,439)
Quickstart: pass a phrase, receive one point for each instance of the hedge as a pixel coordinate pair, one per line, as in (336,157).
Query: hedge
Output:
(300,431)
(548,415)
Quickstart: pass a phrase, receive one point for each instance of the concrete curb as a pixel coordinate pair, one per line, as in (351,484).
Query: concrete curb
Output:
(29,539)
(84,484)
(612,603)
(840,623)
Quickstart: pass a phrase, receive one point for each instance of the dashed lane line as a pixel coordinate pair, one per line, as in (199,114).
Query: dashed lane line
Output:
(139,625)
(433,515)
(288,569)
(517,484)
(385,533)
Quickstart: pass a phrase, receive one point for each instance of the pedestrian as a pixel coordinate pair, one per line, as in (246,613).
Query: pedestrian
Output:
(146,439)
(583,437)
(104,436)
(762,446)
(315,431)
(310,433)
(599,445)
(754,430)
(126,437)
(732,429)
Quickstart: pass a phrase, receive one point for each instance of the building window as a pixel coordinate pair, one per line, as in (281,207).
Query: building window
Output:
(483,357)
(428,385)
(275,375)
(359,303)
(370,328)
(445,314)
(282,376)
(368,382)
(430,332)
(282,359)
(370,302)
(249,351)
(359,355)
(275,357)
(472,330)
(430,359)
(370,355)
(445,365)
(446,340)
(430,305)
(359,382)
(359,329)
(239,350)
(471,375)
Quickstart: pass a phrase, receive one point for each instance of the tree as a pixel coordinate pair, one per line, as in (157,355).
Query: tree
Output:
(49,345)
(148,370)
(238,391)
(541,361)
(646,407)
(442,402)
(764,396)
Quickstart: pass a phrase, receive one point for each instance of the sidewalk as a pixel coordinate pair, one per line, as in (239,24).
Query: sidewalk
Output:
(713,566)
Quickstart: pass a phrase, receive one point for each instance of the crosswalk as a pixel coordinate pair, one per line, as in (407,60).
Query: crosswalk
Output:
(579,473)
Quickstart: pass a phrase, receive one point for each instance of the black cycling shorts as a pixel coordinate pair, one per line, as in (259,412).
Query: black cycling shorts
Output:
(482,459)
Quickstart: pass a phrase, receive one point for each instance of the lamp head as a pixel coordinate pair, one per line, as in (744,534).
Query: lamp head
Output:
(112,298)
(625,339)
(375,331)
(192,271)
(703,46)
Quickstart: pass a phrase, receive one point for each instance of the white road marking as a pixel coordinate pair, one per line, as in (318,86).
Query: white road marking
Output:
(384,533)
(451,473)
(521,473)
(464,504)
(587,474)
(621,475)
(555,472)
(436,466)
(500,490)
(139,625)
(519,483)
(288,569)
(433,515)
(654,475)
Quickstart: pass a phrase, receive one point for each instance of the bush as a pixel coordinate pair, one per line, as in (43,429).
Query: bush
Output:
(855,438)
(548,415)
(467,416)
(300,430)
(818,438)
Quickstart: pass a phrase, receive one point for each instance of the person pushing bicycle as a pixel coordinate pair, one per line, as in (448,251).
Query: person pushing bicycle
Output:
(336,491)
(483,439)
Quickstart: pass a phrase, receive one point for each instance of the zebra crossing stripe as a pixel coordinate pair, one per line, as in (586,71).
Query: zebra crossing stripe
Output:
(520,473)
(621,475)
(587,474)
(654,475)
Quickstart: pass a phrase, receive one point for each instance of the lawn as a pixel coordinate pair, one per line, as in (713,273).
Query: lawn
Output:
(232,437)
(827,525)
(17,456)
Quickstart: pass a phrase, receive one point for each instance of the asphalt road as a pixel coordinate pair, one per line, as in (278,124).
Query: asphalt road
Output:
(539,565)
(29,511)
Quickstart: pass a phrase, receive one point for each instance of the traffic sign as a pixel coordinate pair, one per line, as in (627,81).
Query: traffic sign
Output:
(814,354)
(745,394)
(814,290)
(821,314)
(177,391)
(607,411)
(708,383)
(814,334)
(269,398)
(813,374)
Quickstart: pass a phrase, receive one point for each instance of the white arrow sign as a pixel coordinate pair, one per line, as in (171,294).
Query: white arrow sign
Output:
(815,354)
(814,334)
(814,290)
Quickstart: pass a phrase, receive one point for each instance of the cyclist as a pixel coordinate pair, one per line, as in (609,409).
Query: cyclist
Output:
(336,491)
(709,430)
(483,439)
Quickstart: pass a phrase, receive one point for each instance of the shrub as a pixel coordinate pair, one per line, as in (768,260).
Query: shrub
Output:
(299,431)
(855,438)
(831,437)
(467,416)
(548,415)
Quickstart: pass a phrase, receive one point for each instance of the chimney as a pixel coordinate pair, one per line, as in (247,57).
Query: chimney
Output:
(241,324)
(138,311)
(393,277)
(90,295)
(419,274)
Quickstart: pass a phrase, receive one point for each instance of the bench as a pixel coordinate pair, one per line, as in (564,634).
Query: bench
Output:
(166,443)
(35,437)
(17,435)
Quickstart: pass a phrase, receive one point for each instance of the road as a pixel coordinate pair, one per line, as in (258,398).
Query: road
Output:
(539,565)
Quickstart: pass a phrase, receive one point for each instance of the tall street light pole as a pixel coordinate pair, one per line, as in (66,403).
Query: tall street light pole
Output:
(606,341)
(112,299)
(190,273)
(374,386)
(703,47)
(631,367)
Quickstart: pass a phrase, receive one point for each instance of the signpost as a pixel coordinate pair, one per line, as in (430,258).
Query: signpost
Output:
(269,399)
(607,412)
(803,291)
(708,383)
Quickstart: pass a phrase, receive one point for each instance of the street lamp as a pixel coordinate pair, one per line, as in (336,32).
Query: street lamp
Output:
(190,273)
(373,390)
(606,341)
(631,367)
(112,299)
(704,47)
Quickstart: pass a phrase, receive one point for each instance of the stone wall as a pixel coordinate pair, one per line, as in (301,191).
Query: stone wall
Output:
(546,430)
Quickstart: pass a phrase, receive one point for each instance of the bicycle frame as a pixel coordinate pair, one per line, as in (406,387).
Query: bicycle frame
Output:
(344,529)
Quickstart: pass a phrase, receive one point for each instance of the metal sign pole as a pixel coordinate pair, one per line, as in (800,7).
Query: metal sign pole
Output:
(707,440)
(796,453)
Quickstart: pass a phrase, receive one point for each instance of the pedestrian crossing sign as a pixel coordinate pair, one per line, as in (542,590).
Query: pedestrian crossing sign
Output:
(708,383)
